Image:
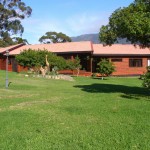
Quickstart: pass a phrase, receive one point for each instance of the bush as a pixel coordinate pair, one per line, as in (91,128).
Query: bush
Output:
(74,64)
(105,68)
(36,58)
(146,78)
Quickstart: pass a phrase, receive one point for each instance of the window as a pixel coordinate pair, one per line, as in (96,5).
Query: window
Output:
(116,60)
(135,63)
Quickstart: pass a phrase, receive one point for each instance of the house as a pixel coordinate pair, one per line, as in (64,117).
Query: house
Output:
(128,59)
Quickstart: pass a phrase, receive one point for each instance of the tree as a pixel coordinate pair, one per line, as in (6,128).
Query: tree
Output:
(18,40)
(74,64)
(6,41)
(37,59)
(29,58)
(60,62)
(132,23)
(11,14)
(105,68)
(54,37)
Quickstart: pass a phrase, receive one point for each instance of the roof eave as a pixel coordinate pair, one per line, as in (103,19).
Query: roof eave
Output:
(121,54)
(73,52)
(13,48)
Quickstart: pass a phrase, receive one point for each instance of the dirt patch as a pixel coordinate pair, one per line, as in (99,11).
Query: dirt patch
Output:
(19,96)
(34,103)
(27,104)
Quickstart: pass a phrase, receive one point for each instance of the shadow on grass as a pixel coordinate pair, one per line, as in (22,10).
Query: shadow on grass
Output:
(127,91)
(99,78)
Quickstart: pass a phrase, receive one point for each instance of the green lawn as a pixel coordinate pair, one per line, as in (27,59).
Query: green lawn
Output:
(87,114)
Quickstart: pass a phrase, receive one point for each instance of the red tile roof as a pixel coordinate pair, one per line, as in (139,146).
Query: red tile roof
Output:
(85,46)
(10,48)
(119,49)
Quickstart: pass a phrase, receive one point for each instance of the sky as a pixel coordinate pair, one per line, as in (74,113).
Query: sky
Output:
(71,17)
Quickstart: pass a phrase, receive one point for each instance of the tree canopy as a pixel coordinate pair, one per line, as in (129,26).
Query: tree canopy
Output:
(18,40)
(36,58)
(11,14)
(54,37)
(132,23)
(4,42)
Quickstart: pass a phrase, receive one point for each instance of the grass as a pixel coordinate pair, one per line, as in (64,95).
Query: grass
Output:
(87,114)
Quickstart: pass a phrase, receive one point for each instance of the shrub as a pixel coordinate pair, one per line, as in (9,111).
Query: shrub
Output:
(36,58)
(105,68)
(146,78)
(74,64)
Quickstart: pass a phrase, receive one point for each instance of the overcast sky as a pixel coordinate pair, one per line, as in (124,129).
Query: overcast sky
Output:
(72,17)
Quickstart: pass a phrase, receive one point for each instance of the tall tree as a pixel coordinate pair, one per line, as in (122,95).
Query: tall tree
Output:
(54,37)
(19,40)
(11,14)
(132,23)
(6,41)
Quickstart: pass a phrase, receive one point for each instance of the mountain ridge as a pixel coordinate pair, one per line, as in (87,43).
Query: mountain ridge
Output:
(94,37)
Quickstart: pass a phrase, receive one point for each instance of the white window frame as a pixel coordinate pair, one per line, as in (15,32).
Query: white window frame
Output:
(148,62)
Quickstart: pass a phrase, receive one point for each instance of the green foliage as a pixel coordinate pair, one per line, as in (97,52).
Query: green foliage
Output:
(132,23)
(36,58)
(6,41)
(29,58)
(105,67)
(70,64)
(18,40)
(11,14)
(74,64)
(146,78)
(54,37)
(54,70)
(60,62)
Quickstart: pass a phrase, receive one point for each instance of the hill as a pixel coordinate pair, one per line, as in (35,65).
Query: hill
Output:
(86,37)
(94,38)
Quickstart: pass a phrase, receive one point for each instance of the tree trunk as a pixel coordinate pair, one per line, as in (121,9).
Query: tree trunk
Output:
(78,71)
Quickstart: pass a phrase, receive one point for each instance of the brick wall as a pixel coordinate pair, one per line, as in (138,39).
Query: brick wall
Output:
(122,68)
(22,69)
(10,68)
(74,72)
(3,65)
